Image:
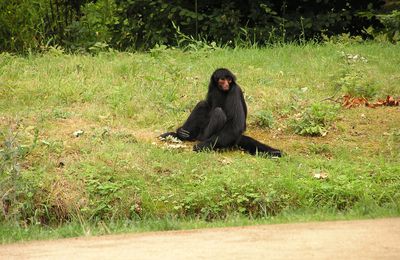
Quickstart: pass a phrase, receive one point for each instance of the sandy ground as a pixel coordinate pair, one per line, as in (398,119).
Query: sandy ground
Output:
(365,239)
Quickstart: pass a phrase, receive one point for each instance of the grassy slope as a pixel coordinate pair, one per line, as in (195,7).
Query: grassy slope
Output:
(117,170)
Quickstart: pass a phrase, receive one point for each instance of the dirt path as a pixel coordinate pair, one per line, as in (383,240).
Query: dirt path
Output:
(376,239)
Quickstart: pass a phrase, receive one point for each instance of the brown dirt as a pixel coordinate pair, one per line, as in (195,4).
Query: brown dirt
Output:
(361,128)
(365,239)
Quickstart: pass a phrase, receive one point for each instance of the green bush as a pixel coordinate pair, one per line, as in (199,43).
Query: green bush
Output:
(22,24)
(141,24)
(92,32)
(391,23)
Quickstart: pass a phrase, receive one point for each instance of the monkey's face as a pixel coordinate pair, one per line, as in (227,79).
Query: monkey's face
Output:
(224,84)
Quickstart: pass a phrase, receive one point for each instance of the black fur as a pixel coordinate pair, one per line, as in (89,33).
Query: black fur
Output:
(220,120)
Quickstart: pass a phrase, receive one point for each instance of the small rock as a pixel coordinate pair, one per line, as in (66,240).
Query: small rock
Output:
(78,133)
(319,175)
(61,164)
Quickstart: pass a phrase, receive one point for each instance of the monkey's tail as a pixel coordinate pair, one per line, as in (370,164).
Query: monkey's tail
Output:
(253,147)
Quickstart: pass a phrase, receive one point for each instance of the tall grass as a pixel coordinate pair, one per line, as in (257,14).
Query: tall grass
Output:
(118,172)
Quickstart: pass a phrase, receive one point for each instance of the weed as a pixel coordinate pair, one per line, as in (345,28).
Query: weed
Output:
(322,149)
(356,84)
(342,39)
(315,120)
(219,201)
(265,119)
(12,184)
(189,43)
(60,114)
(393,143)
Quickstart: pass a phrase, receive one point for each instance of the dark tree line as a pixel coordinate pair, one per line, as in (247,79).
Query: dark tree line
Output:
(140,24)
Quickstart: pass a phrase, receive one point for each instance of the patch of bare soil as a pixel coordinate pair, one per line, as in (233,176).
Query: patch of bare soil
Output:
(365,239)
(362,128)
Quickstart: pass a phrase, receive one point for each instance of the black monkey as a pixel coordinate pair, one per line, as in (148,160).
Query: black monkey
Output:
(220,120)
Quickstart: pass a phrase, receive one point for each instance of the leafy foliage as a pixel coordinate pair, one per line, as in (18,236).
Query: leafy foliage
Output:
(315,120)
(92,30)
(140,24)
(216,200)
(265,119)
(13,187)
(391,23)
(22,25)
(356,84)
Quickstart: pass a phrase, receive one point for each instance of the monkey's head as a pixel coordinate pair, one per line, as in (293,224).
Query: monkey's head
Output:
(223,79)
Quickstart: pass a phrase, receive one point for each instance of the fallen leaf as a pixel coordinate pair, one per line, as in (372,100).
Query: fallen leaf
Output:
(351,102)
(225,160)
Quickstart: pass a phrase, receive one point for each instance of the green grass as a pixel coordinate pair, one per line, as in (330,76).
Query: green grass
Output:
(11,233)
(117,177)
